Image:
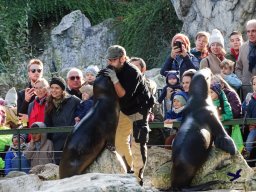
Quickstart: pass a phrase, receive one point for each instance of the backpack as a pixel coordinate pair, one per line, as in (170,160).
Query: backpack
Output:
(25,165)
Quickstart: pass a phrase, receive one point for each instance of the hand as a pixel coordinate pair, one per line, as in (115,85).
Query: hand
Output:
(23,117)
(77,119)
(251,127)
(29,92)
(184,51)
(169,121)
(112,74)
(175,51)
(169,92)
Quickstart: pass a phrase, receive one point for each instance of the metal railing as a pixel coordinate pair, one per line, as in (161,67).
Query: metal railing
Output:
(153,125)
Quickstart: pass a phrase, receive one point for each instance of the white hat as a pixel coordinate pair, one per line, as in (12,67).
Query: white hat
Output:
(11,97)
(216,37)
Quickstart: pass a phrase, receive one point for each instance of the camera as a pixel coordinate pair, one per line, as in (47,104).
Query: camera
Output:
(178,44)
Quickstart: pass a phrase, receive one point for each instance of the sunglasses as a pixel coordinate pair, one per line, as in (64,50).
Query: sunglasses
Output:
(74,77)
(34,70)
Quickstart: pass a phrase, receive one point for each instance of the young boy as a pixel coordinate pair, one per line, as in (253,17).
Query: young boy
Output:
(86,103)
(235,42)
(90,74)
(40,149)
(227,68)
(11,160)
(176,112)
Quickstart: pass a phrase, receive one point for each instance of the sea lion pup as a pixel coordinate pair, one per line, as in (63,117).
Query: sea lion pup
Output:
(200,128)
(88,139)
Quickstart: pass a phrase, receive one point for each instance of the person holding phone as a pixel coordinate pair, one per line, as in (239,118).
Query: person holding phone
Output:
(27,95)
(180,58)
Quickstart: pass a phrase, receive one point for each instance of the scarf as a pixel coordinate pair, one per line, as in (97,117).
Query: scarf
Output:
(252,56)
(234,53)
(23,146)
(57,103)
(178,110)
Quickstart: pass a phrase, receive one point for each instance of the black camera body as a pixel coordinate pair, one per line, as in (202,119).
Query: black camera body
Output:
(178,44)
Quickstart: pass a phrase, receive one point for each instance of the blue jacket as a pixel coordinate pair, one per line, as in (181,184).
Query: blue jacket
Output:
(180,64)
(8,161)
(83,108)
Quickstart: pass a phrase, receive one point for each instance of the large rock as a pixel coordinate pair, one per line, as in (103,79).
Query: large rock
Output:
(217,167)
(107,162)
(80,183)
(205,15)
(155,75)
(75,43)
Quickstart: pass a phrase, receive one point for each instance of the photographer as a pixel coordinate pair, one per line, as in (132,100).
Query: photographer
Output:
(180,58)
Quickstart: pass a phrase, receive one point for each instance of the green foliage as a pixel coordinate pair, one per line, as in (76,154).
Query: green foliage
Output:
(147,30)
(145,26)
(14,39)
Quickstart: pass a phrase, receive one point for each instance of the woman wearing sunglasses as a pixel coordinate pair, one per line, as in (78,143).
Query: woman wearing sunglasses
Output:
(27,95)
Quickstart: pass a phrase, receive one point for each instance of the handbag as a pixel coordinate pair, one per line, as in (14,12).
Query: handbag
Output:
(236,135)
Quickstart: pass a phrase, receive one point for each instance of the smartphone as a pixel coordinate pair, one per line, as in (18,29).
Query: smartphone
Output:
(178,44)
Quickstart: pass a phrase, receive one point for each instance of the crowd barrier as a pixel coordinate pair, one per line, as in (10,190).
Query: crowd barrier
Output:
(153,125)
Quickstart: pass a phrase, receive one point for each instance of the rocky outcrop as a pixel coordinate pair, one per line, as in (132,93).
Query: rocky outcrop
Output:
(217,167)
(205,15)
(80,183)
(75,43)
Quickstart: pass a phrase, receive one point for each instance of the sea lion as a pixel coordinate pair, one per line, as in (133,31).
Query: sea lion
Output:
(200,128)
(88,139)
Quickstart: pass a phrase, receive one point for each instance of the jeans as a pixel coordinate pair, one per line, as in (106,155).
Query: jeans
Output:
(250,139)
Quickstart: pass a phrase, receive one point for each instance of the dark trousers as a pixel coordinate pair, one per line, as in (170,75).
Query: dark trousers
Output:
(141,135)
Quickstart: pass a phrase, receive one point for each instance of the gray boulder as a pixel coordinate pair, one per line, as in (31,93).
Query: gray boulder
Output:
(217,167)
(75,43)
(206,15)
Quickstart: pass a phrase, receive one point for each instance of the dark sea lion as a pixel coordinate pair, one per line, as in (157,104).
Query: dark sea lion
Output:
(200,128)
(88,139)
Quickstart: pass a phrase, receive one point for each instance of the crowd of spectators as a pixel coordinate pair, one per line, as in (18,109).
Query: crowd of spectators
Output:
(64,102)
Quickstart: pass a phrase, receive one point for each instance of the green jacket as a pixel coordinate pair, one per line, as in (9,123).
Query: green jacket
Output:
(5,140)
(2,163)
(227,112)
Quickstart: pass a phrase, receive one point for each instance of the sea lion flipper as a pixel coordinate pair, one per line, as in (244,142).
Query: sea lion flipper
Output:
(226,144)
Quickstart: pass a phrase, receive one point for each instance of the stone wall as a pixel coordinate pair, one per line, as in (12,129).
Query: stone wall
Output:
(226,15)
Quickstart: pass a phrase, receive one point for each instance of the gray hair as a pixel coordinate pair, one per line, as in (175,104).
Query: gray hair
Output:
(74,69)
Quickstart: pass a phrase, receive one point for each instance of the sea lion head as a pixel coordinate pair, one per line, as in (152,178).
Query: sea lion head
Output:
(200,85)
(103,87)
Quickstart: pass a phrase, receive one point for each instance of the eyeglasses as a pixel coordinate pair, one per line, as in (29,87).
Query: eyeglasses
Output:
(34,70)
(74,77)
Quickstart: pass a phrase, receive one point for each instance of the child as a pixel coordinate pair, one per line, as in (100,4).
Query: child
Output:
(90,74)
(227,68)
(220,102)
(5,140)
(86,103)
(232,96)
(250,112)
(12,156)
(40,149)
(176,112)
(172,86)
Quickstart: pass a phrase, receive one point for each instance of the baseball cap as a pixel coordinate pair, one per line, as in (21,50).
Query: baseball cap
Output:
(115,51)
